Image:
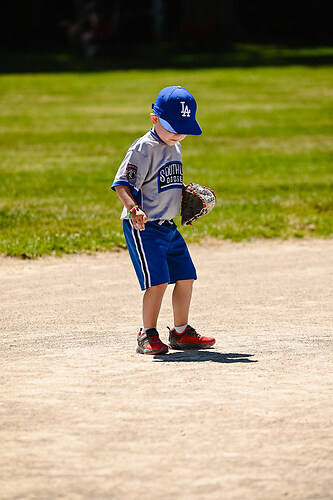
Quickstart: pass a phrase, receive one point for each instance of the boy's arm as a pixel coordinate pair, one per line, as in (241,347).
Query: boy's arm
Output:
(139,217)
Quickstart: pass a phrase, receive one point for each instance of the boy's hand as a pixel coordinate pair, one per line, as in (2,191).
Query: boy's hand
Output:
(138,216)
(139,219)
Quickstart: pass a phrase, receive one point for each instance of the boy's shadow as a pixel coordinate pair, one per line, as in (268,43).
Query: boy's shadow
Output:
(203,355)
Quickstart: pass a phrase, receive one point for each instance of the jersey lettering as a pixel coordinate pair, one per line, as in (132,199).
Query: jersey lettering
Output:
(170,176)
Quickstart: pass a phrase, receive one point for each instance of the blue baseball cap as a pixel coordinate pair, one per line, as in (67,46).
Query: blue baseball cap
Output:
(176,109)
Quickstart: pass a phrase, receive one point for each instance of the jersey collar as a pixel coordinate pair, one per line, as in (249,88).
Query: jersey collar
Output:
(155,135)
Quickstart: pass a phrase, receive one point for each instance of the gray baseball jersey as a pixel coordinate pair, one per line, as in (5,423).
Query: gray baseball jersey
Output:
(154,172)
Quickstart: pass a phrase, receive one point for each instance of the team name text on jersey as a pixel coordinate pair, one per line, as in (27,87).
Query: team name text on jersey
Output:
(170,176)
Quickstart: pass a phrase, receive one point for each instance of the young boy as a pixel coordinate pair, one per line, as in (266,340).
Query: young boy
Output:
(149,184)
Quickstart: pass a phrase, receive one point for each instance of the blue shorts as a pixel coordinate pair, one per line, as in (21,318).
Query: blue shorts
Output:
(159,254)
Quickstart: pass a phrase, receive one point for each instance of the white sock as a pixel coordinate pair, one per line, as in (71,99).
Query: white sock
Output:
(180,329)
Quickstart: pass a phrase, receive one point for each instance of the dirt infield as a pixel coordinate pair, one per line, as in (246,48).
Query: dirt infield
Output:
(84,417)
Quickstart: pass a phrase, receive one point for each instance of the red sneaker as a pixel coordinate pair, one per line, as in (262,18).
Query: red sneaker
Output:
(189,339)
(150,343)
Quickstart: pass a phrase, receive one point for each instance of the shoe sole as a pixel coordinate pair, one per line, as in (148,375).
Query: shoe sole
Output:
(183,347)
(141,350)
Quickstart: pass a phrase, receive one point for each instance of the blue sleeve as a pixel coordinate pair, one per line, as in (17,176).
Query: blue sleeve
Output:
(124,183)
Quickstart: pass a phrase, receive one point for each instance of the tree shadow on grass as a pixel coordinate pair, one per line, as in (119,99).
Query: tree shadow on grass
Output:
(194,356)
(135,58)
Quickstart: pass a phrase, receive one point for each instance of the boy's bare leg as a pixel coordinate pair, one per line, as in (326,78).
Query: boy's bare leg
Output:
(151,305)
(181,300)
(188,338)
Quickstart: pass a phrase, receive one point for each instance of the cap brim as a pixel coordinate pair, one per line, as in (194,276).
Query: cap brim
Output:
(183,127)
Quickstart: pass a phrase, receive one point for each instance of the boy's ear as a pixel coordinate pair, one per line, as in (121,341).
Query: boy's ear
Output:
(154,118)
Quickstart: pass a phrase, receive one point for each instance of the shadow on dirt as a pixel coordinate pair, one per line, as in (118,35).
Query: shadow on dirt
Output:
(208,355)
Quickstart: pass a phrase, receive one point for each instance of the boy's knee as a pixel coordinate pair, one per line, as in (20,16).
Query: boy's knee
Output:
(185,282)
(157,287)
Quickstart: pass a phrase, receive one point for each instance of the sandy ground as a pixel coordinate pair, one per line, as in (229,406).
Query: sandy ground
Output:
(84,417)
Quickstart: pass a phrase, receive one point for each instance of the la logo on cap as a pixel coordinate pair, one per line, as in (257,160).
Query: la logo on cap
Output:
(185,109)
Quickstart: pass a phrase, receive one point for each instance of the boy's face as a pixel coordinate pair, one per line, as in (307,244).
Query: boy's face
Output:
(168,137)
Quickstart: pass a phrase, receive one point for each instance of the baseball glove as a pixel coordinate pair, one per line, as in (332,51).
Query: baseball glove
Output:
(197,201)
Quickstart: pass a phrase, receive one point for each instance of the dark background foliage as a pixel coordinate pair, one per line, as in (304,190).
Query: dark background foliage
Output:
(185,24)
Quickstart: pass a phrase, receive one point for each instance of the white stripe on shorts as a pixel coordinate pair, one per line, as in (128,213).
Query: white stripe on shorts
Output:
(141,253)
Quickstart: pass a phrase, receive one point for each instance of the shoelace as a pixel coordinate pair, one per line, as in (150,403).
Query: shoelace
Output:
(157,341)
(153,338)
(190,331)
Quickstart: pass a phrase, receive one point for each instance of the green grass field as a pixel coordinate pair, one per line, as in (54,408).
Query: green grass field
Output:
(266,150)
